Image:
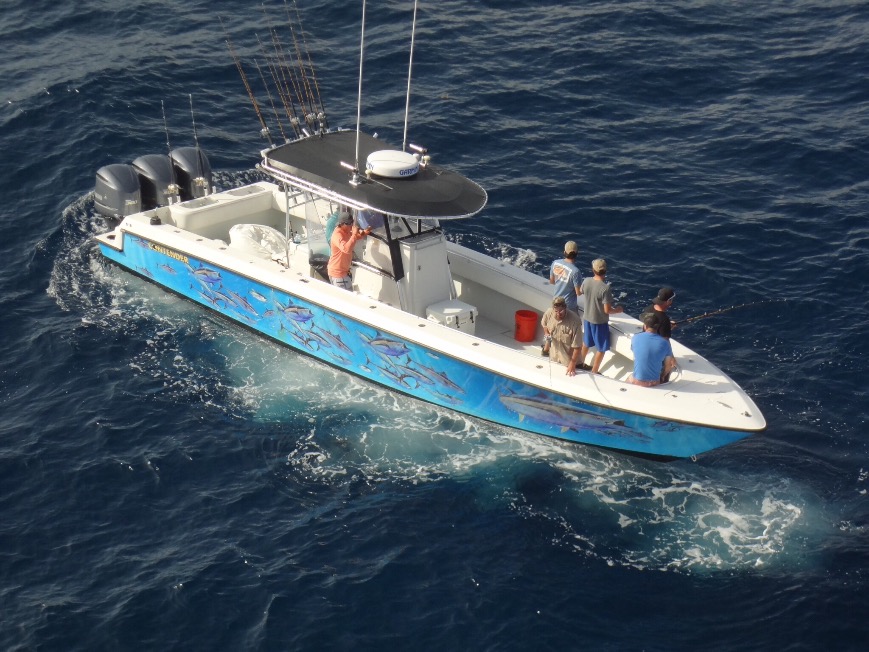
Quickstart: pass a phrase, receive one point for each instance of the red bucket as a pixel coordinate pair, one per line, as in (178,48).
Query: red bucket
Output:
(526,325)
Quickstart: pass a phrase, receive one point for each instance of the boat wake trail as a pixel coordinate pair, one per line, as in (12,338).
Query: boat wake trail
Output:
(667,518)
(626,512)
(190,354)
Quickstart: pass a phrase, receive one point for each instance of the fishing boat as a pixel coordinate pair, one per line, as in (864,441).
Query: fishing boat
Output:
(425,317)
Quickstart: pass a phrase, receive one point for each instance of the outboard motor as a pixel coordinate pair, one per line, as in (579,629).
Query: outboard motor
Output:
(156,180)
(192,172)
(117,192)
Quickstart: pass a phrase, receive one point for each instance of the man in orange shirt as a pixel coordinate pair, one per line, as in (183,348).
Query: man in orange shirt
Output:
(344,238)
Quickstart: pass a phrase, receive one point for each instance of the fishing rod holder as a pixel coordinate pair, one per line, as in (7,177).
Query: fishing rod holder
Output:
(421,154)
(355,179)
(172,193)
(200,187)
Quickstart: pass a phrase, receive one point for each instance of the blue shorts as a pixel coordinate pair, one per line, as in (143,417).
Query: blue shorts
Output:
(597,335)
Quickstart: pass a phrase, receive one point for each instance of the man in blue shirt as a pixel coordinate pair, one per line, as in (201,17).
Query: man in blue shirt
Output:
(566,277)
(653,355)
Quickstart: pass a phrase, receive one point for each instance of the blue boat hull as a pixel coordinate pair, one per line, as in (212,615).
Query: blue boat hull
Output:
(409,367)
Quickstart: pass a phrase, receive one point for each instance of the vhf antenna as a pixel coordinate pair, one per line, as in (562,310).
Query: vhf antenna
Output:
(355,179)
(409,68)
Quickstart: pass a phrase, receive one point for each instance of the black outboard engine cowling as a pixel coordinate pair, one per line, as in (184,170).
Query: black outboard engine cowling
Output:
(157,181)
(192,172)
(117,192)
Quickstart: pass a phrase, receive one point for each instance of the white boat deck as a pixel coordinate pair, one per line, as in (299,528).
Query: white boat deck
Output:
(614,365)
(497,333)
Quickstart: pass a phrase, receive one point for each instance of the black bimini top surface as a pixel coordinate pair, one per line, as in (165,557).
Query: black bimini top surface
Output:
(314,164)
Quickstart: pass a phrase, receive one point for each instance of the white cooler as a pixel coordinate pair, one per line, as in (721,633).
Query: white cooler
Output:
(454,313)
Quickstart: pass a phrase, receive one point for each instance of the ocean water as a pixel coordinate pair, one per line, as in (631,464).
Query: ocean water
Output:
(169,481)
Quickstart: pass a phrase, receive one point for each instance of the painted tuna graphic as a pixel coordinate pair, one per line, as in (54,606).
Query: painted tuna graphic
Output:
(566,416)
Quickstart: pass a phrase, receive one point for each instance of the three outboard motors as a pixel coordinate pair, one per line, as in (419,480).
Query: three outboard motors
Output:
(152,180)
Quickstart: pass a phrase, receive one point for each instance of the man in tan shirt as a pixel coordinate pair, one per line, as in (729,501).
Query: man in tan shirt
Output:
(563,328)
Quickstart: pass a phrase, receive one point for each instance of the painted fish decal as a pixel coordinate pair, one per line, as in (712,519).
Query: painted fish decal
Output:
(241,301)
(339,323)
(396,378)
(567,417)
(418,376)
(334,339)
(206,275)
(384,346)
(299,336)
(296,313)
(440,378)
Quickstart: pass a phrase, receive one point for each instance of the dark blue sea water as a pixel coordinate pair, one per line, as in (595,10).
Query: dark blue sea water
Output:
(172,482)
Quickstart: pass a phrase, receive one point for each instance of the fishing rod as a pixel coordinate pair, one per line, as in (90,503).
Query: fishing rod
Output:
(282,89)
(321,116)
(724,310)
(265,130)
(271,101)
(284,65)
(309,117)
(172,190)
(200,180)
(288,73)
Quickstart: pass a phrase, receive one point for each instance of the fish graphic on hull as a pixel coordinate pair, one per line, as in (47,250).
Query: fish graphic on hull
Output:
(401,367)
(567,417)
(386,347)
